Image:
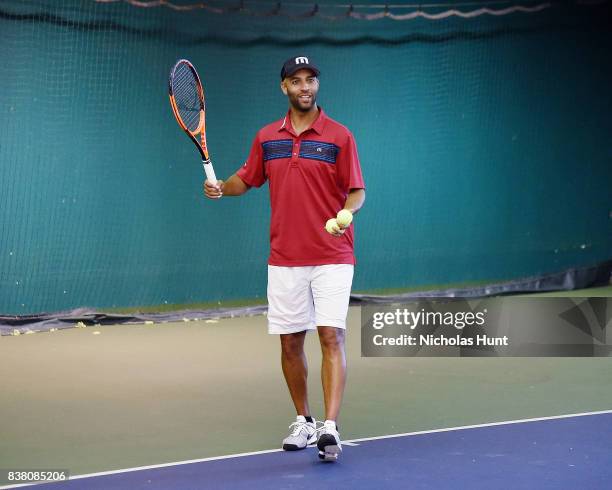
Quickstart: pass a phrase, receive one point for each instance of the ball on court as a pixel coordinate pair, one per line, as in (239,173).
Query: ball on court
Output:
(344,218)
(332,226)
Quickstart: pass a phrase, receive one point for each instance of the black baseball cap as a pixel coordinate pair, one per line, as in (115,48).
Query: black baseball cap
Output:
(298,63)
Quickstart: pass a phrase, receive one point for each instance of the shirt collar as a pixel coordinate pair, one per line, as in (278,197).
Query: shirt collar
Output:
(316,126)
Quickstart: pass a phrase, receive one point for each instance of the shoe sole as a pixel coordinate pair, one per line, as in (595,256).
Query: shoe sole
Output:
(292,447)
(330,453)
(329,448)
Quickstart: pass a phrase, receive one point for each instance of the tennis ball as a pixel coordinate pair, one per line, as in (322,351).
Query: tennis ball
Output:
(344,218)
(332,226)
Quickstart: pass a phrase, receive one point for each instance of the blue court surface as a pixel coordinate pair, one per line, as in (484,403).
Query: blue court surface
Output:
(572,452)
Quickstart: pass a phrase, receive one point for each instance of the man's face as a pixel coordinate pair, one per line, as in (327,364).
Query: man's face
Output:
(301,88)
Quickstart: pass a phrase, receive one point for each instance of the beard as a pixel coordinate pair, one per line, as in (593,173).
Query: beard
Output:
(299,105)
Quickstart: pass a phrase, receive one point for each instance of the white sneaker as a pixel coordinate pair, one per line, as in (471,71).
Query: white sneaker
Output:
(302,434)
(329,441)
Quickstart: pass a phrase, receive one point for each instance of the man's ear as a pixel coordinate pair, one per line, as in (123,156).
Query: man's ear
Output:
(283,88)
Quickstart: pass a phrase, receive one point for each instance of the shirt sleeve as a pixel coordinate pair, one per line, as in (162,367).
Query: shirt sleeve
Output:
(348,171)
(253,173)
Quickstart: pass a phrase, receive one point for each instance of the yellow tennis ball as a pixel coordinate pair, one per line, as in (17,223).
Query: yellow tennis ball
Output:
(344,218)
(332,226)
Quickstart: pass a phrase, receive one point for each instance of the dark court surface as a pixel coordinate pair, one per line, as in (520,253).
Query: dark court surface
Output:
(572,452)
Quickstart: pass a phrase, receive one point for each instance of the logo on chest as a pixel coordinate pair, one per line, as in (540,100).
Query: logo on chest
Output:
(318,150)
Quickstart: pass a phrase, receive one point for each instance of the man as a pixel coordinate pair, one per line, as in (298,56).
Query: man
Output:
(311,164)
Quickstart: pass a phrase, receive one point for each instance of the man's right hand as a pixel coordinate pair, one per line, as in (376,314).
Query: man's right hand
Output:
(213,191)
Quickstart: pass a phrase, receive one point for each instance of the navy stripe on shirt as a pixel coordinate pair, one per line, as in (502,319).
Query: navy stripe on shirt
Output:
(276,149)
(318,150)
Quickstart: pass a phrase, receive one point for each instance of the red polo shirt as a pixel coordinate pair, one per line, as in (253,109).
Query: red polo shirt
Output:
(310,176)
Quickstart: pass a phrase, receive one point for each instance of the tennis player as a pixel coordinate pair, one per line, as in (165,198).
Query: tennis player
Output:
(311,164)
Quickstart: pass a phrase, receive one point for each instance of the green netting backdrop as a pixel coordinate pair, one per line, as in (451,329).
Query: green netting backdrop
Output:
(484,142)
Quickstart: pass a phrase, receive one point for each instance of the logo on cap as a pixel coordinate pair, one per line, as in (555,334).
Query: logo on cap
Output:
(301,59)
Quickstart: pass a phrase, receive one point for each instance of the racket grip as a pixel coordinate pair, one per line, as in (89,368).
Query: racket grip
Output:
(209,171)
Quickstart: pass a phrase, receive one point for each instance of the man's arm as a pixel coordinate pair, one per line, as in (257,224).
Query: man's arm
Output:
(234,186)
(355,200)
(353,203)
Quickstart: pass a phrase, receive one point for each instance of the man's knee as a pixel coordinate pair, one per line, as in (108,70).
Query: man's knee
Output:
(292,344)
(331,338)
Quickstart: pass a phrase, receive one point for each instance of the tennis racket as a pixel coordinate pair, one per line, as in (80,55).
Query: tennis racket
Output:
(187,101)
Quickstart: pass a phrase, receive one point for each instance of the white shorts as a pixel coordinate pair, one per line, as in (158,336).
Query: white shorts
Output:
(302,298)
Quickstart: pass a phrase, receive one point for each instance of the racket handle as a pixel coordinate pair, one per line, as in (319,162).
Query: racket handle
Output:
(209,171)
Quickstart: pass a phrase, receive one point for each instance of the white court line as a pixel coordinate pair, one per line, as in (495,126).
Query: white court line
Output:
(476,426)
(351,442)
(151,467)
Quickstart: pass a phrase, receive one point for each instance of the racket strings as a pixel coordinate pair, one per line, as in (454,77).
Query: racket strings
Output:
(186,96)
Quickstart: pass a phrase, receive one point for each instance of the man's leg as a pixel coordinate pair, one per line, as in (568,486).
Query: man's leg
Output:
(331,289)
(333,377)
(291,314)
(295,369)
(333,369)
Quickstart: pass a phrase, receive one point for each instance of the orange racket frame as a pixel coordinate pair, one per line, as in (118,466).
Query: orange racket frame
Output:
(201,129)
